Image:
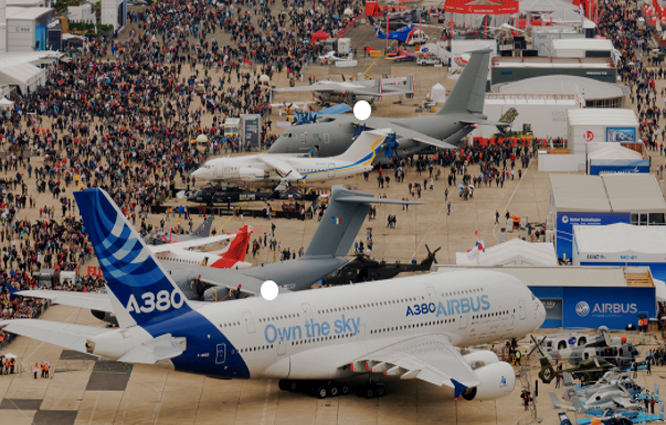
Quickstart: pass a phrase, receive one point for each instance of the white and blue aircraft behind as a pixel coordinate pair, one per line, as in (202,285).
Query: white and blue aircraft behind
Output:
(276,167)
(408,328)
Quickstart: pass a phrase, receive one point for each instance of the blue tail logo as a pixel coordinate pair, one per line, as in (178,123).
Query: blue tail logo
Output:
(133,275)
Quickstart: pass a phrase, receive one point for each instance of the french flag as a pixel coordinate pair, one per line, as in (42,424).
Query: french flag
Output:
(337,220)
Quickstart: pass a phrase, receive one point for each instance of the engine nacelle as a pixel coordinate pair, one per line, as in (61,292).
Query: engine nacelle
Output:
(497,380)
(480,358)
(216,293)
(251,174)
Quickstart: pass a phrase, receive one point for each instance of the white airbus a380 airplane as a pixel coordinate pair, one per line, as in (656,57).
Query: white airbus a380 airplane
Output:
(408,328)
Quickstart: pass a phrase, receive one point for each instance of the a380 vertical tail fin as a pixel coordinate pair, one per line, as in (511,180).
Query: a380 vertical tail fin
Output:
(139,288)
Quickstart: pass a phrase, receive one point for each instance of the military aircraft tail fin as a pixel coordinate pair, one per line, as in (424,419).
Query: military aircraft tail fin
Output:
(204,229)
(344,216)
(238,246)
(578,405)
(469,92)
(555,401)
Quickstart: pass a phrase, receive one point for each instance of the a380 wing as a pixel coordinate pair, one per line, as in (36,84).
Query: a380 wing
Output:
(91,300)
(64,335)
(430,358)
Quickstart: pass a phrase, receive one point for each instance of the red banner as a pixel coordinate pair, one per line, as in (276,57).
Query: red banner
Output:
(507,7)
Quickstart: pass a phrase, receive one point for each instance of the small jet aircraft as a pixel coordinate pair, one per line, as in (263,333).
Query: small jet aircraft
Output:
(608,382)
(331,57)
(203,231)
(268,167)
(231,257)
(612,398)
(407,328)
(330,92)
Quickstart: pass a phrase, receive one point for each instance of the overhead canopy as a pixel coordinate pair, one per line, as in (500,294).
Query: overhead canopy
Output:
(24,75)
(319,35)
(515,252)
(6,103)
(481,7)
(621,237)
(603,150)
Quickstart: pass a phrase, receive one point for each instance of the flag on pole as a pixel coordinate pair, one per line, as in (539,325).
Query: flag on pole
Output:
(473,253)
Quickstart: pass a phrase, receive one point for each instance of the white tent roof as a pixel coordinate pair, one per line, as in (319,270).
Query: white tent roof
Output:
(603,116)
(21,74)
(612,151)
(514,252)
(621,237)
(634,193)
(575,192)
(582,43)
(6,102)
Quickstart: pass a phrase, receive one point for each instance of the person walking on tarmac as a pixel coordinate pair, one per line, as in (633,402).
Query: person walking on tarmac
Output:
(517,358)
(35,369)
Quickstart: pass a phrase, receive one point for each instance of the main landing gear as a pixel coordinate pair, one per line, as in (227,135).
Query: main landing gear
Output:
(371,390)
(323,389)
(319,389)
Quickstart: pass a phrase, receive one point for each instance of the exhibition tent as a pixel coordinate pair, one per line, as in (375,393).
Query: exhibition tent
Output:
(515,252)
(319,35)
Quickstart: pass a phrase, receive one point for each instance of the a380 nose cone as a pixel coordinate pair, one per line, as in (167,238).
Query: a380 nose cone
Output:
(541,314)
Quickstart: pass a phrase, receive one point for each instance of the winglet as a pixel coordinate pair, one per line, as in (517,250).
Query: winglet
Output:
(458,389)
(11,290)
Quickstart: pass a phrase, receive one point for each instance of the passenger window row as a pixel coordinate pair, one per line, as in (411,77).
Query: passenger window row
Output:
(416,325)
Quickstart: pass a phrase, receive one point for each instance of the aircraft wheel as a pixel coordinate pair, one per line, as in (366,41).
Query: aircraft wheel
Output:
(283,384)
(333,390)
(380,390)
(292,386)
(369,391)
(561,345)
(344,388)
(321,392)
(582,341)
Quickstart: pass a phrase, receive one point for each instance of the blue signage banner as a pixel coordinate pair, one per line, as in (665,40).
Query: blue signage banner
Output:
(589,307)
(619,166)
(566,221)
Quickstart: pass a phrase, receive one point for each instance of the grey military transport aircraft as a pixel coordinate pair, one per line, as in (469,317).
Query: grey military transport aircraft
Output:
(326,253)
(333,134)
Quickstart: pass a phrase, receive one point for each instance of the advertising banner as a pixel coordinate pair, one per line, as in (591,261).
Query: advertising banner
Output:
(589,307)
(621,134)
(619,166)
(566,221)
